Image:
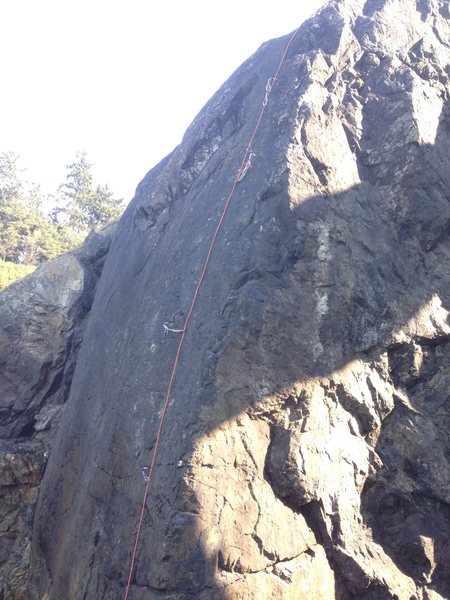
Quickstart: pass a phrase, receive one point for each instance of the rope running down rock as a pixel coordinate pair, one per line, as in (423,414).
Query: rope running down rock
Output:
(245,161)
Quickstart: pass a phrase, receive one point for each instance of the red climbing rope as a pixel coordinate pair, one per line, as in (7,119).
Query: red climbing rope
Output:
(245,165)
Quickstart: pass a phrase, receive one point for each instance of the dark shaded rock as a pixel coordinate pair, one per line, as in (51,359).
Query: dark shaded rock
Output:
(407,504)
(22,465)
(42,319)
(41,322)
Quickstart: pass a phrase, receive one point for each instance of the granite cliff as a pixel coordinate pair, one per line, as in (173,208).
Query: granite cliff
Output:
(306,448)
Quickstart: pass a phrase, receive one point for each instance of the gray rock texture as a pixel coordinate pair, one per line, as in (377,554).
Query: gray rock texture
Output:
(42,318)
(306,449)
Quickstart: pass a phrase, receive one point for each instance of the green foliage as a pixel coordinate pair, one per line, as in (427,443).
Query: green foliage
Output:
(10,272)
(83,206)
(29,236)
(26,234)
(10,186)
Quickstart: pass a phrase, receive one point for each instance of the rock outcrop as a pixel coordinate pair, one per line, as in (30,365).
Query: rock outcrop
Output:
(306,451)
(42,318)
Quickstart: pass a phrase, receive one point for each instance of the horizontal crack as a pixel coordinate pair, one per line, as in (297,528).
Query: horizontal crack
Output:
(239,569)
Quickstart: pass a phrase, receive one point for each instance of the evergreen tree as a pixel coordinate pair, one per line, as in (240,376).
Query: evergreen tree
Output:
(29,236)
(14,213)
(81,205)
(11,185)
(26,234)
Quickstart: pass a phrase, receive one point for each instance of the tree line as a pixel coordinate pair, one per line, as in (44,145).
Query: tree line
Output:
(30,231)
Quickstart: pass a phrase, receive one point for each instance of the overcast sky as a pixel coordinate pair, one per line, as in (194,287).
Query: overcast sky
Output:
(121,79)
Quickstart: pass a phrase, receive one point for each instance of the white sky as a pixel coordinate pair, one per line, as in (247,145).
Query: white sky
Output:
(121,79)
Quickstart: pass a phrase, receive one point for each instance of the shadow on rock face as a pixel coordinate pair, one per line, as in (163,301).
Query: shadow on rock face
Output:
(407,503)
(368,276)
(312,381)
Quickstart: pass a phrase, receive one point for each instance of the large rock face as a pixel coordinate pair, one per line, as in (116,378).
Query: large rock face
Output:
(305,452)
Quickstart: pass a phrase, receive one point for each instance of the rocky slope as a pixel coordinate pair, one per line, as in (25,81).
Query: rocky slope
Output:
(305,452)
